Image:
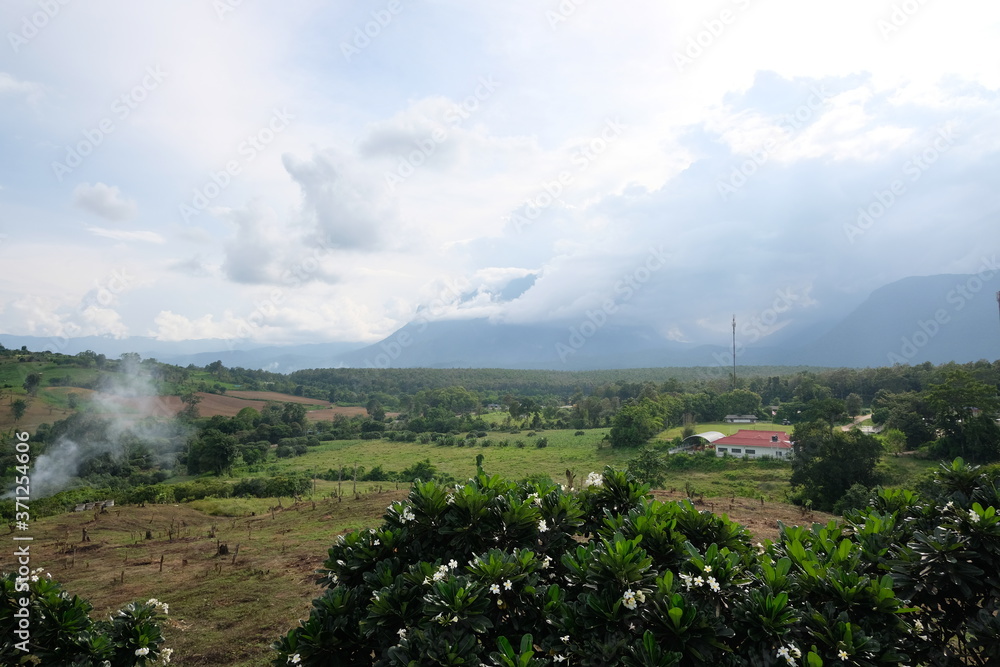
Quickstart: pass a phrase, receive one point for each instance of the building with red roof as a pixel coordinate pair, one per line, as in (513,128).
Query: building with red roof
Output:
(755,444)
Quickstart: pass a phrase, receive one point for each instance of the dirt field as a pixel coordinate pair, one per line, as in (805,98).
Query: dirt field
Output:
(275,396)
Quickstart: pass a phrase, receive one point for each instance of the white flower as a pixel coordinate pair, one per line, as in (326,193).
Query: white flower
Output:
(165,654)
(452,564)
(842,654)
(594,479)
(542,526)
(795,651)
(918,626)
(546,562)
(375,543)
(494,588)
(973,517)
(640,596)
(408,515)
(440,574)
(713,584)
(708,568)
(295,659)
(564,639)
(559,658)
(950,505)
(507,585)
(628,599)
(142,651)
(402,633)
(698,581)
(34,578)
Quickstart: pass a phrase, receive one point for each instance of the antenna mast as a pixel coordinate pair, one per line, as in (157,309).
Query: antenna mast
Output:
(734,344)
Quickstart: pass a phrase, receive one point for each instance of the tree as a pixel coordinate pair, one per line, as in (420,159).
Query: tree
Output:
(964,410)
(827,462)
(31,383)
(190,409)
(19,407)
(375,410)
(853,404)
(832,410)
(635,424)
(648,467)
(212,451)
(739,402)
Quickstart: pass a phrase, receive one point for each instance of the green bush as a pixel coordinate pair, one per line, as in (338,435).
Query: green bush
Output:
(461,575)
(59,630)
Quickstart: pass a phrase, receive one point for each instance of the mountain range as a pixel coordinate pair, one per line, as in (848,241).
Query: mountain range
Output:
(935,319)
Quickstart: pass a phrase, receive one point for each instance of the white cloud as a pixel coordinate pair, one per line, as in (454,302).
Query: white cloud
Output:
(105,201)
(31,91)
(123,235)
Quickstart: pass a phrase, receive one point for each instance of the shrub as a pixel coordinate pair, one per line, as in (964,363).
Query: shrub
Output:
(62,632)
(608,577)
(542,442)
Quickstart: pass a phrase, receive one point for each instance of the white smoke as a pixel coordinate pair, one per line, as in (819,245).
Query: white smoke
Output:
(126,409)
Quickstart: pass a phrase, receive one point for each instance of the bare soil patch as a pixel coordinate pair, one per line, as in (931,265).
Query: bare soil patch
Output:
(276,396)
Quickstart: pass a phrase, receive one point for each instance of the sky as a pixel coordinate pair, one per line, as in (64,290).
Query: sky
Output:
(311,171)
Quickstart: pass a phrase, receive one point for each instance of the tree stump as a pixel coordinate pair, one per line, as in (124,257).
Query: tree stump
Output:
(223,550)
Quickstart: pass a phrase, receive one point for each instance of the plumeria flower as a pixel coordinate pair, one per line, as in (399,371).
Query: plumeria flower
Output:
(165,654)
(495,589)
(973,517)
(142,651)
(564,639)
(713,584)
(698,581)
(542,526)
(294,659)
(628,599)
(640,596)
(559,658)
(842,654)
(402,633)
(708,568)
(507,585)
(452,564)
(375,543)
(546,563)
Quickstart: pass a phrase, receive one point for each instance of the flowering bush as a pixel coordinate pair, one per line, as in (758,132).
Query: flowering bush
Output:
(61,632)
(463,575)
